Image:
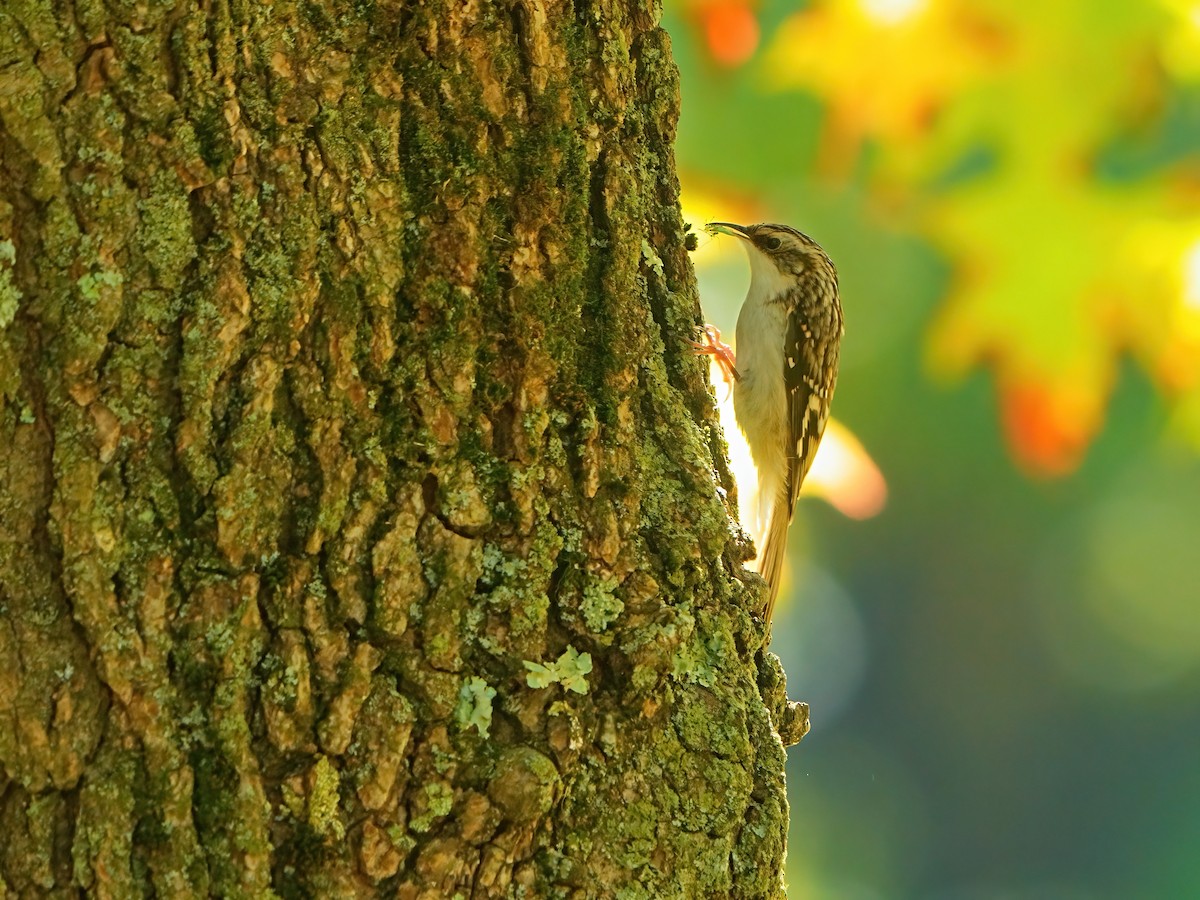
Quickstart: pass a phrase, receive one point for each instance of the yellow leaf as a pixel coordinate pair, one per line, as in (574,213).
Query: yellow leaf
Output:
(884,67)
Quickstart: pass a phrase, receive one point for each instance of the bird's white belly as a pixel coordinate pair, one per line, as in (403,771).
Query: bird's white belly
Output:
(759,397)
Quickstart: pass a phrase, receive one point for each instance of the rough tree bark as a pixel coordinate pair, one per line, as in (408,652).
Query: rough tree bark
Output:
(345,419)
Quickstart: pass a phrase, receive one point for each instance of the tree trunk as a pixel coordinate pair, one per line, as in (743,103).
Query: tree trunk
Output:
(364,520)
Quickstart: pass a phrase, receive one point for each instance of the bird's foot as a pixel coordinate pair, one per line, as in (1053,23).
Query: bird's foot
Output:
(712,345)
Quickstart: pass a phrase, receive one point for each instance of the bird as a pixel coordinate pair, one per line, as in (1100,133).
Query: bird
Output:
(789,335)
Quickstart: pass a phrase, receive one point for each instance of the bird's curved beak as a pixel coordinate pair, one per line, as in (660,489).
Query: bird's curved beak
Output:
(729,228)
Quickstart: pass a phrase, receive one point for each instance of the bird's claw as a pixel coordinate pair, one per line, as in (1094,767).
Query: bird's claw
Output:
(712,345)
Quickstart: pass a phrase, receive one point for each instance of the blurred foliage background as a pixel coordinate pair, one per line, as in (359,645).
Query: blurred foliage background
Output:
(1003,661)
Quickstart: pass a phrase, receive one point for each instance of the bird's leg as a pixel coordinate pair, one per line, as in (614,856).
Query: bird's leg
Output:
(711,345)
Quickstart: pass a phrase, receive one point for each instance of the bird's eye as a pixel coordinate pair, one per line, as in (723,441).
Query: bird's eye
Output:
(772,243)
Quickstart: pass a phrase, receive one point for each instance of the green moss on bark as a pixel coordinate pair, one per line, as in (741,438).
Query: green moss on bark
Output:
(342,371)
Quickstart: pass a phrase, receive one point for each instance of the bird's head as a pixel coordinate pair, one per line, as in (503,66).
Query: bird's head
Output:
(781,257)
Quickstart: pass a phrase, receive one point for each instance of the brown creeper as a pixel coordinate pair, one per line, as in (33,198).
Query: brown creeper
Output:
(789,335)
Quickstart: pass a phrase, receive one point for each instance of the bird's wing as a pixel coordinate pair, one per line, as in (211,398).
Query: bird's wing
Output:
(804,366)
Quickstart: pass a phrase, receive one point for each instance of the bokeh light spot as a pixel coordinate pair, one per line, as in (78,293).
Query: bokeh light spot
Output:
(820,637)
(845,475)
(731,31)
(1138,545)
(891,12)
(1115,611)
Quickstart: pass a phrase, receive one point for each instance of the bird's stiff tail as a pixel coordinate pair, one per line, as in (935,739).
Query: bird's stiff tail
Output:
(774,549)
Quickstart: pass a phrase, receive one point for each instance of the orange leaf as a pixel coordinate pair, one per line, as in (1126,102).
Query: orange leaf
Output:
(730,30)
(1049,426)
